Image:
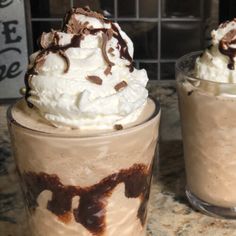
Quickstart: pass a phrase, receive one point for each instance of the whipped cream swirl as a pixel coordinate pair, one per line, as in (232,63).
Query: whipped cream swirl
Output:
(83,77)
(217,63)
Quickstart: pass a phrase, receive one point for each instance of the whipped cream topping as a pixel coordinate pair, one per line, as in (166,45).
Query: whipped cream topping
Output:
(83,77)
(217,63)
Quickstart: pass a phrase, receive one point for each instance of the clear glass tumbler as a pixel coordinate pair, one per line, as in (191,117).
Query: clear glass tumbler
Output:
(208,111)
(95,185)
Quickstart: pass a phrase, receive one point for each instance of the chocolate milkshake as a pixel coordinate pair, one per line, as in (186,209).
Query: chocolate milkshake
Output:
(84,138)
(206,85)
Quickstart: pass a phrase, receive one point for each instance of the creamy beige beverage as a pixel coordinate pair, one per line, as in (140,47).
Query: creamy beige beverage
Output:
(207,101)
(84,138)
(97,185)
(209,150)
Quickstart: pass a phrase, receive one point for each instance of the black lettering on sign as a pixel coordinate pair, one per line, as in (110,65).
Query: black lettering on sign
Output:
(13,70)
(5,3)
(9,29)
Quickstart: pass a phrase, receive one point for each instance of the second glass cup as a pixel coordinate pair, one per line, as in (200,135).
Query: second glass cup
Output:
(207,111)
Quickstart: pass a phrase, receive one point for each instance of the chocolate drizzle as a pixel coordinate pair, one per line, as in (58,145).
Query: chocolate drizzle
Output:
(91,211)
(53,47)
(124,52)
(225,47)
(49,43)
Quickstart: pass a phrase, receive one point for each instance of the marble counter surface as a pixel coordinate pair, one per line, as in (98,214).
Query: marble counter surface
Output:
(170,213)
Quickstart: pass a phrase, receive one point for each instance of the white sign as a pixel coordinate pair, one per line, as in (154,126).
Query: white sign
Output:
(13,47)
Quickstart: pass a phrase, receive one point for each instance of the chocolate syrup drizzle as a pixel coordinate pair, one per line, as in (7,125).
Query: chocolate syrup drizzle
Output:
(226,49)
(91,211)
(71,25)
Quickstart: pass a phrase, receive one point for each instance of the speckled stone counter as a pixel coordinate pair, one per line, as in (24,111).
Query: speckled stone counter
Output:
(170,213)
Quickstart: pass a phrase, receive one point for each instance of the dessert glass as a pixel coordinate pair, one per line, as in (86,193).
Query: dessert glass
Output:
(207,111)
(94,185)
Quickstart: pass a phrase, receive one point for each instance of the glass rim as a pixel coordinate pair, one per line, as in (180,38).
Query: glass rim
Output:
(190,76)
(156,112)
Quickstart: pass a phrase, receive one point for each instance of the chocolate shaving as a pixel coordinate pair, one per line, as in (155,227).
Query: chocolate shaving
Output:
(66,218)
(226,49)
(118,127)
(39,60)
(94,79)
(86,31)
(39,63)
(73,26)
(56,38)
(66,20)
(84,11)
(64,56)
(107,71)
(224,24)
(43,41)
(229,37)
(109,33)
(120,85)
(46,40)
(104,52)
(87,12)
(110,51)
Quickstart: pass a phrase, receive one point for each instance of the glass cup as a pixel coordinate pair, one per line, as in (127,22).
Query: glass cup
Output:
(94,185)
(208,111)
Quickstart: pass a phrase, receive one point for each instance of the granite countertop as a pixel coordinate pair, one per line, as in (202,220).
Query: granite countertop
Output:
(170,213)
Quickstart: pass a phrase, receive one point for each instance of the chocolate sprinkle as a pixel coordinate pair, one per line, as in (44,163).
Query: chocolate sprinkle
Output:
(120,85)
(118,127)
(91,210)
(94,79)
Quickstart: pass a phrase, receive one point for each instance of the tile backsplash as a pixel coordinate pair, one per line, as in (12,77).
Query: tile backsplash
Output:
(162,30)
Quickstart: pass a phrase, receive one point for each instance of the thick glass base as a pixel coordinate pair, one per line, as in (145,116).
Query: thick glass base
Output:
(209,209)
